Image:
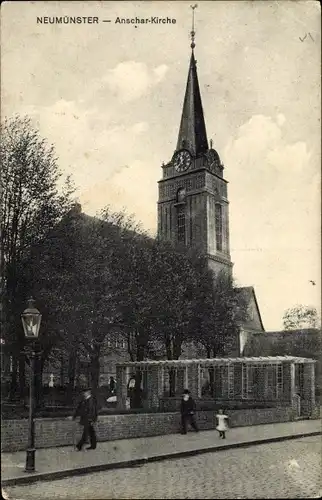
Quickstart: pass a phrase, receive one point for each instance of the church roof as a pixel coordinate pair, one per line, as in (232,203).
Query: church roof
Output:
(306,342)
(192,133)
(249,292)
(315,332)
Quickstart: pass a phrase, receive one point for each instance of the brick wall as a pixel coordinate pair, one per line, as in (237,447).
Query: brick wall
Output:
(51,432)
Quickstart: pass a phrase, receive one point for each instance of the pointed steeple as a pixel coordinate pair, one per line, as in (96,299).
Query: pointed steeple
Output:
(192,133)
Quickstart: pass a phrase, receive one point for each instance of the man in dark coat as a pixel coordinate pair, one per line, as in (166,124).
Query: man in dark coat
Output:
(188,408)
(87,411)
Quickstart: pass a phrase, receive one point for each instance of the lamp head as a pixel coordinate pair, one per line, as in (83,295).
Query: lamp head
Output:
(31,319)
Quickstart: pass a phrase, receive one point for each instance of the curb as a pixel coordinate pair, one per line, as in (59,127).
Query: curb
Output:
(60,474)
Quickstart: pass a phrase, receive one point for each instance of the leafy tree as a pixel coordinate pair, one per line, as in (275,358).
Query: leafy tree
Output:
(156,306)
(300,316)
(88,255)
(175,278)
(220,308)
(135,306)
(31,204)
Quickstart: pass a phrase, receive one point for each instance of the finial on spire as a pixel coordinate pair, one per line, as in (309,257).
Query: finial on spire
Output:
(192,32)
(210,142)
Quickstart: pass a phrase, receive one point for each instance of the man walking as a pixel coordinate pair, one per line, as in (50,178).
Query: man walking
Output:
(188,408)
(87,411)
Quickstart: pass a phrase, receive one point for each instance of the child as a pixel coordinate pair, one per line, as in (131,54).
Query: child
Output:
(222,423)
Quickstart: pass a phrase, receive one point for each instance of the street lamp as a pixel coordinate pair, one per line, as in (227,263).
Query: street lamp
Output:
(31,319)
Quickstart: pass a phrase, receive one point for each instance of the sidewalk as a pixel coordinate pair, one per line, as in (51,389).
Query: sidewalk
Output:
(56,463)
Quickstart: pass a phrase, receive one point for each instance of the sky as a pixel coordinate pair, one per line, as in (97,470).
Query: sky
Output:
(109,97)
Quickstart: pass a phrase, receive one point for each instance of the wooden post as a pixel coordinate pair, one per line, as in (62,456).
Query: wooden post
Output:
(121,387)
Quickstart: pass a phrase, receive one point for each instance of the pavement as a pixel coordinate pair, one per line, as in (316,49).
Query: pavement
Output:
(60,462)
(285,469)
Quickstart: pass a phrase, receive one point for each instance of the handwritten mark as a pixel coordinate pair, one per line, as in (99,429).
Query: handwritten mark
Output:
(302,39)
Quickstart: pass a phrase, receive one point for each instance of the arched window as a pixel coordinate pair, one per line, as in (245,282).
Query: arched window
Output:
(218,221)
(181,224)
(181,194)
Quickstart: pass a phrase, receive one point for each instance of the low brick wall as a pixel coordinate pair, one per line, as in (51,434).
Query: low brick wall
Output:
(204,404)
(51,432)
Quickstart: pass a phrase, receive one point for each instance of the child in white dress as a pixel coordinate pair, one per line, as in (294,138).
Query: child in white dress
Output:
(222,423)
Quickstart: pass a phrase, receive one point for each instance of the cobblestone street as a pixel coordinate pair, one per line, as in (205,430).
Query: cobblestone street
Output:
(290,469)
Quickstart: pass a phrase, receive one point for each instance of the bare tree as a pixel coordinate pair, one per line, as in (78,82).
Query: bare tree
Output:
(31,204)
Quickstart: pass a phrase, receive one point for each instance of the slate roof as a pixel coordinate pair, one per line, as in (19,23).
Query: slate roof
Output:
(192,132)
(249,292)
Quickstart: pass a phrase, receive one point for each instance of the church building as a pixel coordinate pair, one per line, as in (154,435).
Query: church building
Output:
(193,210)
(193,206)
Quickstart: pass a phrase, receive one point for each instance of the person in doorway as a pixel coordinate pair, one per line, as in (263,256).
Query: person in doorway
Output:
(222,424)
(188,408)
(112,386)
(87,411)
(131,391)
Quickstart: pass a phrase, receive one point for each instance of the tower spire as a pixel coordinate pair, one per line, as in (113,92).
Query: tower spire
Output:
(192,132)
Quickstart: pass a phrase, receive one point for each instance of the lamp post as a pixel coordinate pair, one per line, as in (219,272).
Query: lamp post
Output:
(31,319)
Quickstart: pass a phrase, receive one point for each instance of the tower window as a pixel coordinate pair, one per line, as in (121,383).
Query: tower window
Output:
(181,194)
(219,235)
(181,224)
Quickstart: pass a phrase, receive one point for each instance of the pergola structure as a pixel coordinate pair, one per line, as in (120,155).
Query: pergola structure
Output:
(277,379)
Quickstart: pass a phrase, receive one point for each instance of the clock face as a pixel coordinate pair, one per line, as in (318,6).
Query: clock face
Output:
(182,161)
(213,157)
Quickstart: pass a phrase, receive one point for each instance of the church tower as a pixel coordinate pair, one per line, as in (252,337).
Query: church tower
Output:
(193,201)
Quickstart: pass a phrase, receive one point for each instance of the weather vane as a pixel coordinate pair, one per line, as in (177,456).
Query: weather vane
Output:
(192,33)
